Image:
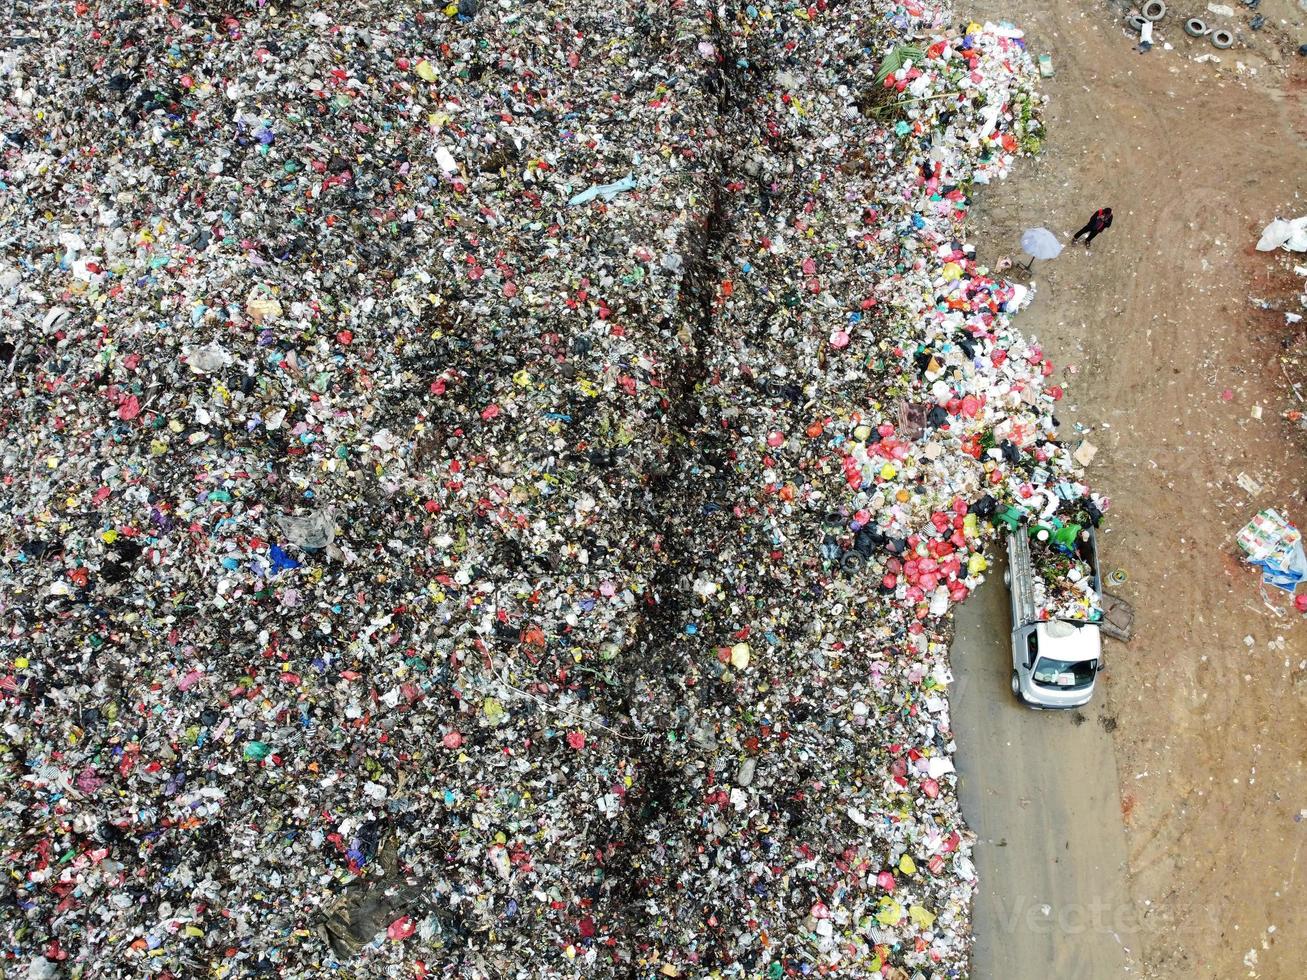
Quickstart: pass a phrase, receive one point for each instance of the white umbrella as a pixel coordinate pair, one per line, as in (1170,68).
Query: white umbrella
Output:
(1040,243)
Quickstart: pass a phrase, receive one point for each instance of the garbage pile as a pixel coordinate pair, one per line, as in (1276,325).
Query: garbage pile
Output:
(1273,544)
(484,485)
(1064,587)
(1062,552)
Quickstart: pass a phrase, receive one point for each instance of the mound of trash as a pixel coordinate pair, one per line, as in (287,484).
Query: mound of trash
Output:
(484,485)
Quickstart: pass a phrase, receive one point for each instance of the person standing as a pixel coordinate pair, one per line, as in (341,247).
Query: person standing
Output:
(1099,222)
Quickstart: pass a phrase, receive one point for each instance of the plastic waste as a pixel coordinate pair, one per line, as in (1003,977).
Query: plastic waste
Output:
(311,531)
(1290,235)
(605,191)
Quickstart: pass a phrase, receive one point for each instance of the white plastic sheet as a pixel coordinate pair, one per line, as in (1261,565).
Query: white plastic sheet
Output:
(1291,235)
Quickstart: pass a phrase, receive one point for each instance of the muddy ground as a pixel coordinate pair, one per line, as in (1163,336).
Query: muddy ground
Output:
(1169,363)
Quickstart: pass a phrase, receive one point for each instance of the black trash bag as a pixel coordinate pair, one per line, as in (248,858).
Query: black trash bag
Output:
(867,541)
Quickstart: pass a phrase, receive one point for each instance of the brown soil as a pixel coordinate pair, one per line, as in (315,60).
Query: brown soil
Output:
(1167,360)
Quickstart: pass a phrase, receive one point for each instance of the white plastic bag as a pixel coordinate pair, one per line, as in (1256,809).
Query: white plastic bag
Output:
(1284,234)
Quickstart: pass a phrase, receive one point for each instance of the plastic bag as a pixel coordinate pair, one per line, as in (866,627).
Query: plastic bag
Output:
(1284,234)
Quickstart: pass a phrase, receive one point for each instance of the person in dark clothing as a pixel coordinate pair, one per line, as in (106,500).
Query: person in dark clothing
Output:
(1096,225)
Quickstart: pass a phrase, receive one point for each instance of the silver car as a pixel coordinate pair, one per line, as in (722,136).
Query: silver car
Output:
(1056,661)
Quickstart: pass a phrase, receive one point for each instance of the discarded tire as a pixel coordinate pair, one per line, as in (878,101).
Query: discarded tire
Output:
(1195,27)
(1222,39)
(1154,10)
(1136,22)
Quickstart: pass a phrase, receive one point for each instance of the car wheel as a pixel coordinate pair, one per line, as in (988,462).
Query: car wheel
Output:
(1016,686)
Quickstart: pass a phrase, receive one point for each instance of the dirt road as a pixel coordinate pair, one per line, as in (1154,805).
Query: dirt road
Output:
(1172,373)
(1039,791)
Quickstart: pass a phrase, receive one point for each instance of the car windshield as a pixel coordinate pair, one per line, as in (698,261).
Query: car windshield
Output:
(1062,675)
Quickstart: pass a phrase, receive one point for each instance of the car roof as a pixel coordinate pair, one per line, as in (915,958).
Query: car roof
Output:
(1069,641)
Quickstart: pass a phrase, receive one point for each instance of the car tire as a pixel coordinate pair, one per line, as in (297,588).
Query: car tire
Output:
(1016,687)
(1195,27)
(1135,22)
(1222,39)
(1154,10)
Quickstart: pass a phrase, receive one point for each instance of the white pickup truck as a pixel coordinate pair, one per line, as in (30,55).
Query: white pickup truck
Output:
(1054,661)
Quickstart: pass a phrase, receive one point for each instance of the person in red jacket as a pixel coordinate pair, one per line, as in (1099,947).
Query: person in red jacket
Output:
(1096,225)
